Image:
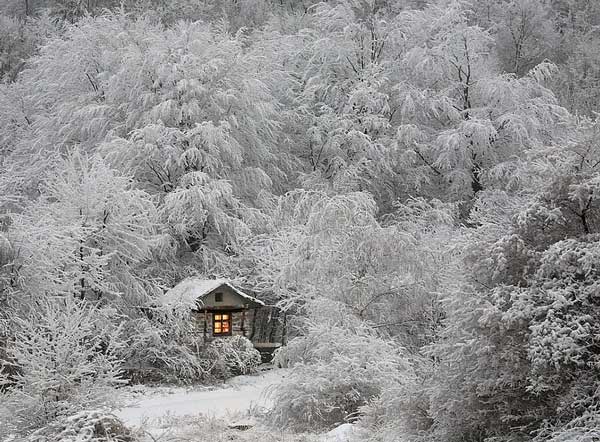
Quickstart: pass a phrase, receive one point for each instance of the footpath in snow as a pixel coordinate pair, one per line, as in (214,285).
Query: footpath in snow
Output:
(237,396)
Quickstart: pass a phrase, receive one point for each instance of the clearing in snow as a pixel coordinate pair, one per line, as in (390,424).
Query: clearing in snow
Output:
(236,397)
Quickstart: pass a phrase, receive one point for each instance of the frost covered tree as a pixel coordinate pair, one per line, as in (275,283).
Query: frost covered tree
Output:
(19,40)
(463,122)
(516,354)
(524,33)
(84,235)
(344,94)
(63,354)
(334,247)
(200,130)
(576,84)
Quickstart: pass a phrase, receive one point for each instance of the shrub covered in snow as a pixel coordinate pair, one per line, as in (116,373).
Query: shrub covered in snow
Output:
(401,409)
(63,360)
(577,431)
(84,426)
(162,347)
(337,367)
(231,356)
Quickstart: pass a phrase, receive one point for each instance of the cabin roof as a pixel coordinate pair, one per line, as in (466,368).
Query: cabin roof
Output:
(193,288)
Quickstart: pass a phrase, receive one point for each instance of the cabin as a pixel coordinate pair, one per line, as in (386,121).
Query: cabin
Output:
(221,309)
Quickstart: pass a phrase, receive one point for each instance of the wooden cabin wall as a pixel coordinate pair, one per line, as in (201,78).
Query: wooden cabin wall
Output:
(269,325)
(237,323)
(198,322)
(238,319)
(264,325)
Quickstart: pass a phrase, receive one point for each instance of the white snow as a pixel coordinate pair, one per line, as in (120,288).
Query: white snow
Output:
(238,396)
(191,289)
(343,433)
(167,413)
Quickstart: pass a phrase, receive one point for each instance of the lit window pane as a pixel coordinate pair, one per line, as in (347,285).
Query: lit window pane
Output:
(217,317)
(225,317)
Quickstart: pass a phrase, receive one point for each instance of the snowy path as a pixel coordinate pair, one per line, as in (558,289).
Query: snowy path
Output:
(237,396)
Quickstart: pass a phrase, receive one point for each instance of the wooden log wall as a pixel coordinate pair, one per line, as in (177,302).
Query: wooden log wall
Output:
(266,325)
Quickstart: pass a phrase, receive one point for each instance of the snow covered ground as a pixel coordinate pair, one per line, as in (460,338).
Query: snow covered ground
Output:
(151,408)
(177,413)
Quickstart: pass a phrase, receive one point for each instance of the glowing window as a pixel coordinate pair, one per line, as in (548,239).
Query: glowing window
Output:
(221,324)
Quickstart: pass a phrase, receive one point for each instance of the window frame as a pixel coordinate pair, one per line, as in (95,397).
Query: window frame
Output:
(221,321)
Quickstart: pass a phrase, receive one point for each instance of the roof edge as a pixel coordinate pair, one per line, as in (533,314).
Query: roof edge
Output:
(243,294)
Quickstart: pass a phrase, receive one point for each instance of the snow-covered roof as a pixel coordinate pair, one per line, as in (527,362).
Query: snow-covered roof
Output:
(193,288)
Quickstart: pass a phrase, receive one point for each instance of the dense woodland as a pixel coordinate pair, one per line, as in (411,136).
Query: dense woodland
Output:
(415,182)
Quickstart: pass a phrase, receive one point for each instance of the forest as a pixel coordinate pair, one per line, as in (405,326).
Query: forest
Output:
(415,183)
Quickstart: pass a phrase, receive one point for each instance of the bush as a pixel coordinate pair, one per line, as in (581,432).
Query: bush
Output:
(63,356)
(336,368)
(402,409)
(231,356)
(162,349)
(85,426)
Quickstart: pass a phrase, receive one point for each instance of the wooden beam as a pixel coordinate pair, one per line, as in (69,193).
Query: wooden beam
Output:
(274,317)
(253,329)
(223,309)
(284,331)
